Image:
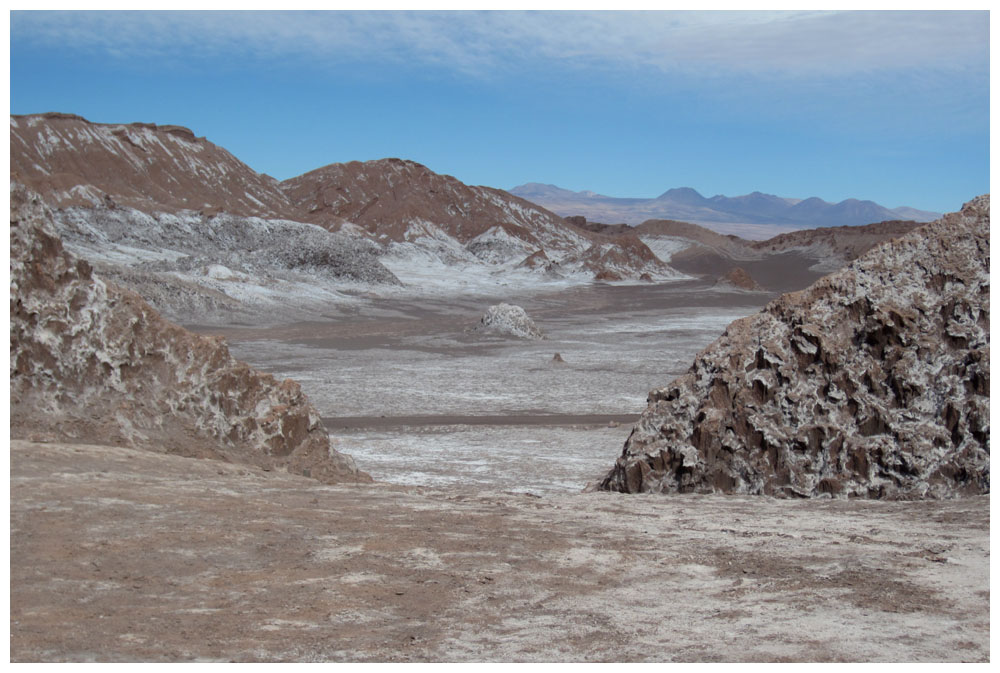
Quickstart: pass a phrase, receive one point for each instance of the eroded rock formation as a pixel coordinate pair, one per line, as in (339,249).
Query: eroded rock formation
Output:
(873,382)
(509,320)
(738,278)
(90,362)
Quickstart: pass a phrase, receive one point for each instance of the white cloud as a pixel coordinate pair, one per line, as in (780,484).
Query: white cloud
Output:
(478,43)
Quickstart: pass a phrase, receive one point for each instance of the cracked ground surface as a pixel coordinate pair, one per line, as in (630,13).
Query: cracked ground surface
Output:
(121,555)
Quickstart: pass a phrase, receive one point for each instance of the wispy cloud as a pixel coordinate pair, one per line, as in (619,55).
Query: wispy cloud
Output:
(480,43)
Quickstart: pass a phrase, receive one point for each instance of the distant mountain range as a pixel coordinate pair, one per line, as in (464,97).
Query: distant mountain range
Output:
(745,215)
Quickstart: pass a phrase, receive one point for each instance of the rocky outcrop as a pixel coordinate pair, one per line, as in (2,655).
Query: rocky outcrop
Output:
(196,267)
(738,278)
(873,382)
(92,363)
(538,260)
(619,258)
(509,320)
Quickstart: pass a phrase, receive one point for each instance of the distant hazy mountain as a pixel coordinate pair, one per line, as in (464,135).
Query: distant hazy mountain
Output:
(687,204)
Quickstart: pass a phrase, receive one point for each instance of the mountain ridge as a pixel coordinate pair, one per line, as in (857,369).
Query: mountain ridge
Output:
(686,203)
(415,216)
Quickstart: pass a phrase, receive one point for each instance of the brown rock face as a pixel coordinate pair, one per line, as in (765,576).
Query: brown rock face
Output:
(537,260)
(92,363)
(70,161)
(873,382)
(738,277)
(392,197)
(399,200)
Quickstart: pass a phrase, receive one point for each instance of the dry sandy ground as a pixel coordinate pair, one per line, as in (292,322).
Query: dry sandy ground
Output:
(125,555)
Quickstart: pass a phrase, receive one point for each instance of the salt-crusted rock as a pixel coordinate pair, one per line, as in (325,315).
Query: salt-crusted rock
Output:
(508,319)
(90,362)
(873,382)
(196,267)
(619,258)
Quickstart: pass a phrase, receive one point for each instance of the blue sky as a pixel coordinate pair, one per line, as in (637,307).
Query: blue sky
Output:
(887,106)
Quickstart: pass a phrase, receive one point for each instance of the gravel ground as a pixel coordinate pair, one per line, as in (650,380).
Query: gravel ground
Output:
(123,555)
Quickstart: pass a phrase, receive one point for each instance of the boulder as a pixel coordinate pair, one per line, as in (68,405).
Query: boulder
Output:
(738,278)
(509,320)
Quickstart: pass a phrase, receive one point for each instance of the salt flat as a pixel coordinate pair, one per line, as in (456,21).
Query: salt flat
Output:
(417,357)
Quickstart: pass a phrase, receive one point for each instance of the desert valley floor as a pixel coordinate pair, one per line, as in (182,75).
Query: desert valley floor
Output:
(477,542)
(416,397)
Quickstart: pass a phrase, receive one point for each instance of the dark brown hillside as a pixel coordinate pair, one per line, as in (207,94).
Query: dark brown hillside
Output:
(70,161)
(392,197)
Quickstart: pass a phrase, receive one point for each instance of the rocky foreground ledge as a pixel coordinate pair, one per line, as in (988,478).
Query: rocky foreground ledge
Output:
(873,382)
(93,363)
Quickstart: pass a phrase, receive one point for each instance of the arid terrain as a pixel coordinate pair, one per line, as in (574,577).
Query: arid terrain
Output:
(476,543)
(125,555)
(415,393)
(363,415)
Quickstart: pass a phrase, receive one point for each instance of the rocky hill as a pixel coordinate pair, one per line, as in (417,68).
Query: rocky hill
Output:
(396,199)
(92,363)
(70,161)
(405,203)
(786,262)
(417,217)
(738,278)
(838,244)
(873,382)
